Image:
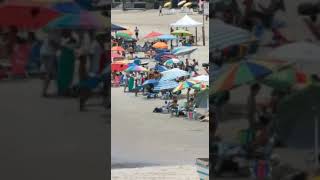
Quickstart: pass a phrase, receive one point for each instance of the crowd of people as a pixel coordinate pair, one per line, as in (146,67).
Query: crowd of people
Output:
(56,55)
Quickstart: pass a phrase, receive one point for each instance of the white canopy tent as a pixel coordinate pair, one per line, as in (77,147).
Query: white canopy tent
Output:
(187,22)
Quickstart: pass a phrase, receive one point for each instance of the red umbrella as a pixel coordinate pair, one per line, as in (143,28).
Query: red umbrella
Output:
(27,17)
(117,48)
(153,34)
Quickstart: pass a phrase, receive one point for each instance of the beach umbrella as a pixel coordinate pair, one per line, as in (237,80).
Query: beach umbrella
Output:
(123,35)
(202,78)
(150,81)
(166,5)
(299,52)
(128,32)
(136,68)
(67,7)
(165,85)
(160,45)
(172,61)
(181,3)
(226,35)
(85,20)
(185,51)
(185,84)
(152,35)
(167,56)
(115,27)
(117,48)
(200,86)
(176,49)
(245,72)
(167,37)
(173,74)
(160,68)
(286,78)
(26,17)
(114,55)
(188,4)
(181,32)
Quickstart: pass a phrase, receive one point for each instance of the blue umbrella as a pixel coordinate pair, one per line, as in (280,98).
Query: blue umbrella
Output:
(117,28)
(137,61)
(176,49)
(150,81)
(160,68)
(167,37)
(173,74)
(185,51)
(164,85)
(67,7)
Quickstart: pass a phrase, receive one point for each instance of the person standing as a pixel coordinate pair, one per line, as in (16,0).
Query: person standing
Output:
(96,50)
(252,105)
(136,30)
(48,57)
(160,11)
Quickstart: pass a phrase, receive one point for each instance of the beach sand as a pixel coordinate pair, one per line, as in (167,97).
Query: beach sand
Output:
(155,143)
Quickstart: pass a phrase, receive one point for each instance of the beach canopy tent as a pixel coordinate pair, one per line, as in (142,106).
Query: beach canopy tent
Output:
(115,27)
(26,17)
(226,35)
(173,74)
(186,21)
(298,52)
(165,85)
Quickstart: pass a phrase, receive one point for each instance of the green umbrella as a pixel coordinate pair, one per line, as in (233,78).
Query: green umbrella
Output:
(181,32)
(285,79)
(123,35)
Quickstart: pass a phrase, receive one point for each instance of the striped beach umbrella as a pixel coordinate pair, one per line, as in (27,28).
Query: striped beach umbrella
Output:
(136,68)
(165,85)
(185,84)
(173,74)
(245,72)
(227,35)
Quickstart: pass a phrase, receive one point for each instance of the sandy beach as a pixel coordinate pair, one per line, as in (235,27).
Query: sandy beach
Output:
(49,138)
(152,145)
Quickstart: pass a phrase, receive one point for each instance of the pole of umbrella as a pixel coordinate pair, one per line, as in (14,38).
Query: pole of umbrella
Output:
(203,35)
(316,140)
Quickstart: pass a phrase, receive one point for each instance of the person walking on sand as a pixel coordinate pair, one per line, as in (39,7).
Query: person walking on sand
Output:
(160,11)
(252,105)
(136,30)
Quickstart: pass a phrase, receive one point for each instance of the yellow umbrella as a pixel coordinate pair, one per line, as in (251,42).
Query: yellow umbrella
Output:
(166,5)
(181,3)
(187,4)
(181,32)
(160,45)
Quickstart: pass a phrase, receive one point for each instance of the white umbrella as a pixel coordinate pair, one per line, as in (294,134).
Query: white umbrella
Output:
(202,78)
(173,74)
(299,52)
(185,51)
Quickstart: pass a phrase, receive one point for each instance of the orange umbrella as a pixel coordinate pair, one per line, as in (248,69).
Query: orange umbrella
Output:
(117,48)
(160,45)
